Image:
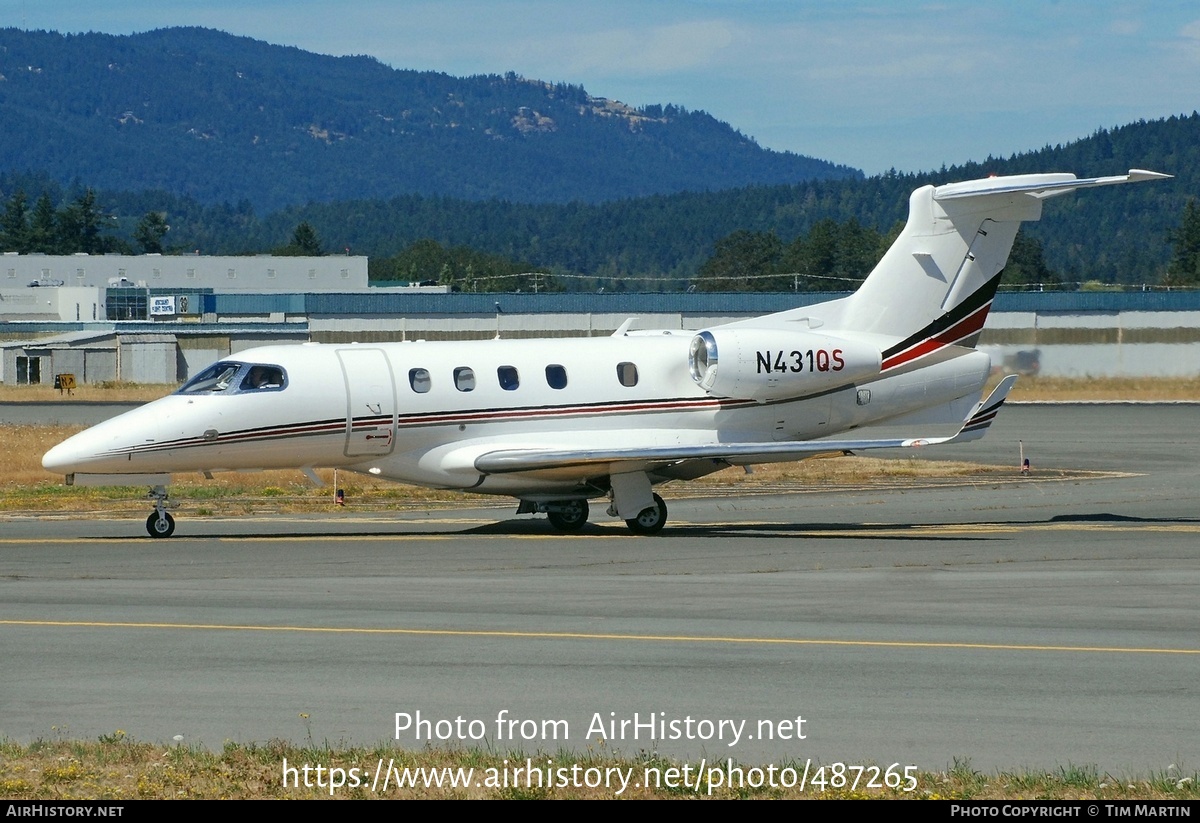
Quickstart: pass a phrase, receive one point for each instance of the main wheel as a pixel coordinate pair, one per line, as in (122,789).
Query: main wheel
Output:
(651,520)
(160,526)
(572,515)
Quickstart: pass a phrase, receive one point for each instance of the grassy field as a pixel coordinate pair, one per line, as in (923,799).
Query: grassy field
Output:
(115,768)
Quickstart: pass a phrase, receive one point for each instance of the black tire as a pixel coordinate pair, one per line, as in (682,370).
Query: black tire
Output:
(160,528)
(572,516)
(651,520)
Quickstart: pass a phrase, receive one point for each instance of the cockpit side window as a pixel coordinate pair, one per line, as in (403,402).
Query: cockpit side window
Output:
(216,378)
(260,377)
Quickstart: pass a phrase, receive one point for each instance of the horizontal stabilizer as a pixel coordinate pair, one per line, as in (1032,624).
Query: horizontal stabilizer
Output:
(1038,185)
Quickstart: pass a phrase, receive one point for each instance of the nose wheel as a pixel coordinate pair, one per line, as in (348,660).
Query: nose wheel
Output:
(160,523)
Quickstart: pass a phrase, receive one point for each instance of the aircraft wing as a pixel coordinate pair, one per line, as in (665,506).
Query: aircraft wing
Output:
(554,460)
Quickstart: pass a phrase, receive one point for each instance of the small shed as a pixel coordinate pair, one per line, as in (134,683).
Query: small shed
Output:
(93,357)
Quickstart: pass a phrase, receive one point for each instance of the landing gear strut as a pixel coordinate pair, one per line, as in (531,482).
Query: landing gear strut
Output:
(160,523)
(651,519)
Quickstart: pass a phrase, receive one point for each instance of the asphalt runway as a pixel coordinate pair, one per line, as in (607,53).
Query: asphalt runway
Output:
(1017,624)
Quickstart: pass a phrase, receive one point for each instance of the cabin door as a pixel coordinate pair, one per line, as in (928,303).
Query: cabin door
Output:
(370,402)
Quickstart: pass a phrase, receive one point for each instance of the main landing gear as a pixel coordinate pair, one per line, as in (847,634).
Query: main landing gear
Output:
(160,523)
(568,516)
(651,519)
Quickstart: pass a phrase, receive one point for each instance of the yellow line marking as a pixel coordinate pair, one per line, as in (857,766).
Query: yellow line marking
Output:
(658,638)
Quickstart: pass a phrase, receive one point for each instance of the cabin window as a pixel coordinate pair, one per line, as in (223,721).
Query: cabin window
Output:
(556,377)
(464,378)
(216,378)
(627,374)
(419,380)
(509,379)
(262,378)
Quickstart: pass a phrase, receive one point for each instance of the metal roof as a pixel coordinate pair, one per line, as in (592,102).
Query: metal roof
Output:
(631,303)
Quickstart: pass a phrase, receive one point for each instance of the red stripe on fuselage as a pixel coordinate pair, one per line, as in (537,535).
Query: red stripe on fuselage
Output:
(437,419)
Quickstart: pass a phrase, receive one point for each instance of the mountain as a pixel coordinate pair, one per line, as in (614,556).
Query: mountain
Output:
(219,118)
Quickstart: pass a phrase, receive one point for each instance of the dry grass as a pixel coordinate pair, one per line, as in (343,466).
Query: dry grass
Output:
(94,392)
(116,768)
(26,486)
(1075,389)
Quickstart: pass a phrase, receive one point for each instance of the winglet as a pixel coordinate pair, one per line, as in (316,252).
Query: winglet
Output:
(977,423)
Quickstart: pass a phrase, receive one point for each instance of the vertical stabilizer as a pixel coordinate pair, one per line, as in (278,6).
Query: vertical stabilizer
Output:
(934,286)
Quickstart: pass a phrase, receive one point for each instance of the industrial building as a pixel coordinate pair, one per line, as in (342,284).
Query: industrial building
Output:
(159,319)
(1072,334)
(257,273)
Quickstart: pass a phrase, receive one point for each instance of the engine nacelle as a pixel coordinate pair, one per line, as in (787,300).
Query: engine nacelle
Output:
(770,364)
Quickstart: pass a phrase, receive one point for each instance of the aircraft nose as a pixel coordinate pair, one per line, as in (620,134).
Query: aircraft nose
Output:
(63,458)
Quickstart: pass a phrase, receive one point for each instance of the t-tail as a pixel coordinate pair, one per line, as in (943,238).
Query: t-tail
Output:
(935,285)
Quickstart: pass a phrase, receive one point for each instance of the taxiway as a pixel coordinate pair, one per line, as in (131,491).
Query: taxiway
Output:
(1019,624)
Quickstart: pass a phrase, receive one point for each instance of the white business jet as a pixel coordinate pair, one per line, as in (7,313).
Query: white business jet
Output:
(556,423)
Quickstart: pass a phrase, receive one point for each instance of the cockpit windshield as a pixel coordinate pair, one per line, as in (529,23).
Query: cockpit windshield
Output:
(228,376)
(216,378)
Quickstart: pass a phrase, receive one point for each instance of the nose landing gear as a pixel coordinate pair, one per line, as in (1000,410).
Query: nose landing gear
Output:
(159,523)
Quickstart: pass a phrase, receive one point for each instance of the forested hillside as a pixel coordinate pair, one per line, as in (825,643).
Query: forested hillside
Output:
(1118,235)
(338,110)
(218,118)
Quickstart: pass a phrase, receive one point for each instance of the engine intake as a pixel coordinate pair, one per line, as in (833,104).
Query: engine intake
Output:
(769,364)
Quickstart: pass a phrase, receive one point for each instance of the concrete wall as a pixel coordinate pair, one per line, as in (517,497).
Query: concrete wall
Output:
(1100,344)
(68,304)
(149,362)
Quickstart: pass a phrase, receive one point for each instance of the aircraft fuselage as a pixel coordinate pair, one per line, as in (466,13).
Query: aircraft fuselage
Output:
(421,412)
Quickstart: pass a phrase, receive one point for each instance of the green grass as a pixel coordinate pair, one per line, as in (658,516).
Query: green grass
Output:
(114,767)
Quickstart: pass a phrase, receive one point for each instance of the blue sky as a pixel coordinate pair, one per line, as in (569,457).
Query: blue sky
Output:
(874,85)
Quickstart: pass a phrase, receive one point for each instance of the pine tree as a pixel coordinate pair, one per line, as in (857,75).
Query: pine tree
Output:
(1184,268)
(150,232)
(43,229)
(14,225)
(741,261)
(305,239)
(1026,267)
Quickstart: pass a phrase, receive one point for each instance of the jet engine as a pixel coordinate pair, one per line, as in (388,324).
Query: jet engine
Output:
(770,364)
